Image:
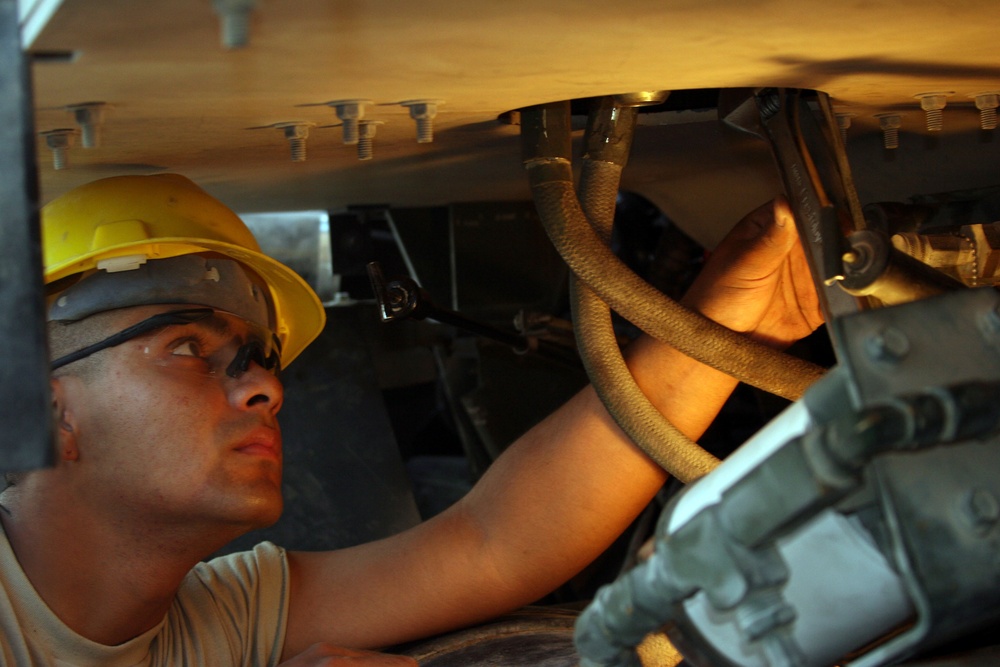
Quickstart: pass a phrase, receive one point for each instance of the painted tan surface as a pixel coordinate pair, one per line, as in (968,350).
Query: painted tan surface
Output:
(182,103)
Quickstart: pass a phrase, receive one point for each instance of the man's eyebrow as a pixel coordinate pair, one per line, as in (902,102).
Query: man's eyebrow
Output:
(216,324)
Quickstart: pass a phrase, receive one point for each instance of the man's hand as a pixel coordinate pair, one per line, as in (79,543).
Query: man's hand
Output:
(758,282)
(327,655)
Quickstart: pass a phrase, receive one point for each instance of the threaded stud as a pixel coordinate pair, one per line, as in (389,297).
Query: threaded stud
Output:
(350,131)
(89,116)
(425,131)
(844,124)
(235,30)
(366,138)
(350,113)
(366,148)
(423,112)
(890,124)
(234,22)
(295,132)
(298,148)
(987,104)
(933,105)
(58,141)
(59,158)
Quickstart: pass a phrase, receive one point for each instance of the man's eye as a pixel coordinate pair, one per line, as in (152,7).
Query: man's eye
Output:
(188,348)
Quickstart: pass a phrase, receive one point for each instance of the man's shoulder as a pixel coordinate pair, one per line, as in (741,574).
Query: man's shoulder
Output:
(264,565)
(235,604)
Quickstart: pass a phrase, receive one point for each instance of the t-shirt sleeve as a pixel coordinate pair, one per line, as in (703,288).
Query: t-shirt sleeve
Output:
(231,610)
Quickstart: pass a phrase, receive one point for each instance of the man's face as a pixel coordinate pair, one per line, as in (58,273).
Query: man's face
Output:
(166,435)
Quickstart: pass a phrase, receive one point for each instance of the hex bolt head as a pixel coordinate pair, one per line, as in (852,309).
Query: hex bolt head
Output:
(933,105)
(981,509)
(58,141)
(890,124)
(350,112)
(423,112)
(90,117)
(366,137)
(987,104)
(890,345)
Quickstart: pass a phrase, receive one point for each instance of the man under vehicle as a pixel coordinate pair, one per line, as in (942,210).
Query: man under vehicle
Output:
(165,401)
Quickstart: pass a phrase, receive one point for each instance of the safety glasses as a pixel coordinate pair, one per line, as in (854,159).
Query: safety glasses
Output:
(201,339)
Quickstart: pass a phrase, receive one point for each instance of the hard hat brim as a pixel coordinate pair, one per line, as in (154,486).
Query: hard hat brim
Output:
(298,310)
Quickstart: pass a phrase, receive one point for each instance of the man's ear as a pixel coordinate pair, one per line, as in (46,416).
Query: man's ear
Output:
(65,422)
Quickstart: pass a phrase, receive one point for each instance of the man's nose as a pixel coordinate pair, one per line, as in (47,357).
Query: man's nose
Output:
(258,388)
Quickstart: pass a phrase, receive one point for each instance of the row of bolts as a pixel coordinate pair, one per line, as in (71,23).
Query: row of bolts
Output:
(356,129)
(933,105)
(234,18)
(359,131)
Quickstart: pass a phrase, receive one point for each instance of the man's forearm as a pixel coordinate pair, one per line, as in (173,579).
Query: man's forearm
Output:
(545,509)
(573,483)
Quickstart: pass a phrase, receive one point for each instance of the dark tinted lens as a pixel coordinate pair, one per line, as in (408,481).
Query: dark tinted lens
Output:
(252,352)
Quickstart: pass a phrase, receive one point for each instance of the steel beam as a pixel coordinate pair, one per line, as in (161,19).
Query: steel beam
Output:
(24,378)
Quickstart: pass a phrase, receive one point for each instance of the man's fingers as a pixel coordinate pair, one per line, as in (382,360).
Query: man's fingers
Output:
(783,216)
(776,224)
(755,248)
(757,280)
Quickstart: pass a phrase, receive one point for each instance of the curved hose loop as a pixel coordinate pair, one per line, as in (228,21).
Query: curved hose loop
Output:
(551,177)
(612,126)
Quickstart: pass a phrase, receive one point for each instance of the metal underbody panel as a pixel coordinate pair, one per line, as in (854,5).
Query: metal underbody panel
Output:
(179,101)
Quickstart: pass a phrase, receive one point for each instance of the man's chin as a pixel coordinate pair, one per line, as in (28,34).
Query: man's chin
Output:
(254,511)
(268,520)
(266,510)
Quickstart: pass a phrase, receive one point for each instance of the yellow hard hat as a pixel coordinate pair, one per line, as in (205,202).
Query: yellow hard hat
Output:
(120,222)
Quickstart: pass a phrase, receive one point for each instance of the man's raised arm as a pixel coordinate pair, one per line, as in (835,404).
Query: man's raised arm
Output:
(567,488)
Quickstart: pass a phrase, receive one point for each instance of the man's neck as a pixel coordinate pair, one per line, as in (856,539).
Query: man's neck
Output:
(106,581)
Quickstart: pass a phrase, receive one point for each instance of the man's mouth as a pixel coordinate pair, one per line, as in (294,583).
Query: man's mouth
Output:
(264,443)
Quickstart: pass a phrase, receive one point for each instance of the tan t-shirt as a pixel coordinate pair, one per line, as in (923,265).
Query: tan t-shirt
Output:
(229,611)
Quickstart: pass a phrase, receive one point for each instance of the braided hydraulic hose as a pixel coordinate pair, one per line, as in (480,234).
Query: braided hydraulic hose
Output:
(551,176)
(609,134)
